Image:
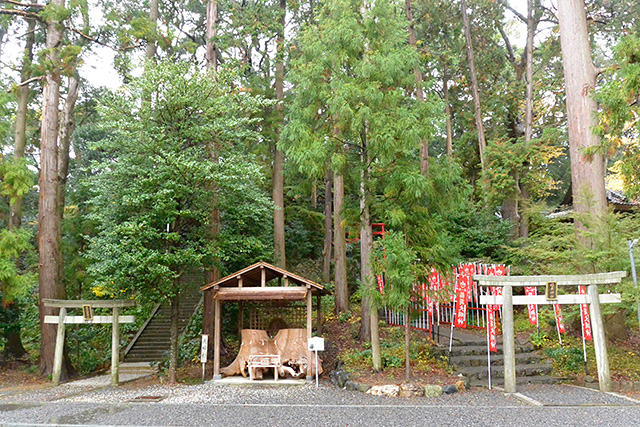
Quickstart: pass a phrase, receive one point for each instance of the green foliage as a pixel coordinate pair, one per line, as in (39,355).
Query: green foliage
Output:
(16,178)
(156,184)
(567,358)
(14,282)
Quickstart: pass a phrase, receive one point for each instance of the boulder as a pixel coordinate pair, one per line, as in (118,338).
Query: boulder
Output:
(615,328)
(410,390)
(432,391)
(449,389)
(351,385)
(384,390)
(363,387)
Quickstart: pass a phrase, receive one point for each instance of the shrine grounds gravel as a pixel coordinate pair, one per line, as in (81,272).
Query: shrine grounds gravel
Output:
(225,405)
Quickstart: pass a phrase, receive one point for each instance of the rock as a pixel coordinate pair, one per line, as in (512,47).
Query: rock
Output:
(432,391)
(615,328)
(449,389)
(340,378)
(351,385)
(410,390)
(589,379)
(384,390)
(363,387)
(460,386)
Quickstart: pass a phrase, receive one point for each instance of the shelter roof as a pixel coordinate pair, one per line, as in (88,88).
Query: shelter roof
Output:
(252,277)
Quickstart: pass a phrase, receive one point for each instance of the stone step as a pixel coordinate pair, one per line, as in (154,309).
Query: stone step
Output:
(537,379)
(470,350)
(480,372)
(496,359)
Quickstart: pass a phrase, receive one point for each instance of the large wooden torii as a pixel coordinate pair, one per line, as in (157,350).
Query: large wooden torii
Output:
(507,300)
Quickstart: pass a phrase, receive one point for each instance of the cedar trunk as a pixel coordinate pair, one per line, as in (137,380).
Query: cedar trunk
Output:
(150,52)
(173,351)
(49,283)
(212,18)
(482,143)
(587,171)
(424,147)
(328,231)
(339,247)
(366,241)
(20,141)
(278,160)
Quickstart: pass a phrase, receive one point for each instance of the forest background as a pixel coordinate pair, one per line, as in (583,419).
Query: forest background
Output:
(249,130)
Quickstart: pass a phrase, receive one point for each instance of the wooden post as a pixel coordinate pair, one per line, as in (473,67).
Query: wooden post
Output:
(263,277)
(309,325)
(239,281)
(240,317)
(319,315)
(57,359)
(599,340)
(216,340)
(286,281)
(115,348)
(508,341)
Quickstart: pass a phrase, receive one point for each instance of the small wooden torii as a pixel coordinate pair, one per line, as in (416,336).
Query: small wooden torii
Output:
(593,299)
(87,307)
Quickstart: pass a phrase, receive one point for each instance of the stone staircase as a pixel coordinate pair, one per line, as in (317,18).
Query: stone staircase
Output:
(469,358)
(151,343)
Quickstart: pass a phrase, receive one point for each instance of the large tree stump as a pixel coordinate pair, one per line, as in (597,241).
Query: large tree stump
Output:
(253,341)
(289,344)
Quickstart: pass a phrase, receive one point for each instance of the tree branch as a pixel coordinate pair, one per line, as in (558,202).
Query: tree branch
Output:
(518,15)
(24,13)
(512,55)
(17,3)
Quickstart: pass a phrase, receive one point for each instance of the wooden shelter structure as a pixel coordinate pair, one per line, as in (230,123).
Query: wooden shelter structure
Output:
(262,283)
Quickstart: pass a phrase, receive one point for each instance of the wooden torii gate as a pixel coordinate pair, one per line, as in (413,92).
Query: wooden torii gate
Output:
(87,307)
(507,300)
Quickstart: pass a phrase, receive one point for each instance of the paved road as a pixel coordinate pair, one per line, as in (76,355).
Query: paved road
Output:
(211,404)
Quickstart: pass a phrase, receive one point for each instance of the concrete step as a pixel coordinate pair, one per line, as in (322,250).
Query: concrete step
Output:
(471,350)
(496,359)
(529,370)
(538,379)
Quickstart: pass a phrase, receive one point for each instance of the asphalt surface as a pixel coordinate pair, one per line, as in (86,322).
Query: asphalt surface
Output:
(219,405)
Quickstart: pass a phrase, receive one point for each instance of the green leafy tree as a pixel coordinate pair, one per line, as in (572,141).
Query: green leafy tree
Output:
(154,188)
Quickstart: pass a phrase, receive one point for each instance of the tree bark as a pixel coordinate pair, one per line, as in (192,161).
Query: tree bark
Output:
(366,241)
(278,160)
(407,344)
(339,246)
(587,171)
(150,52)
(447,108)
(212,18)
(424,147)
(482,143)
(173,352)
(20,139)
(328,231)
(50,285)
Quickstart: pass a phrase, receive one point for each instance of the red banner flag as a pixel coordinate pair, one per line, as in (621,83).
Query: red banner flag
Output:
(462,294)
(559,318)
(533,308)
(584,314)
(380,281)
(491,329)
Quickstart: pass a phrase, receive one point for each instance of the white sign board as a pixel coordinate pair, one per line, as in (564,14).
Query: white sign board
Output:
(203,349)
(316,344)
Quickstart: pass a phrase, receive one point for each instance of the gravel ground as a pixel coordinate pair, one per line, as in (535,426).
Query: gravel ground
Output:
(224,405)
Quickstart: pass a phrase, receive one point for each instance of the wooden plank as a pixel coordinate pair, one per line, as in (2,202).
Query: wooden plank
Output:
(599,340)
(93,303)
(260,293)
(78,320)
(562,280)
(542,300)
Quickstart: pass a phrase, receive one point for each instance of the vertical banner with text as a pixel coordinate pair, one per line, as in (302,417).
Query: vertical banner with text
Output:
(532,308)
(559,318)
(584,314)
